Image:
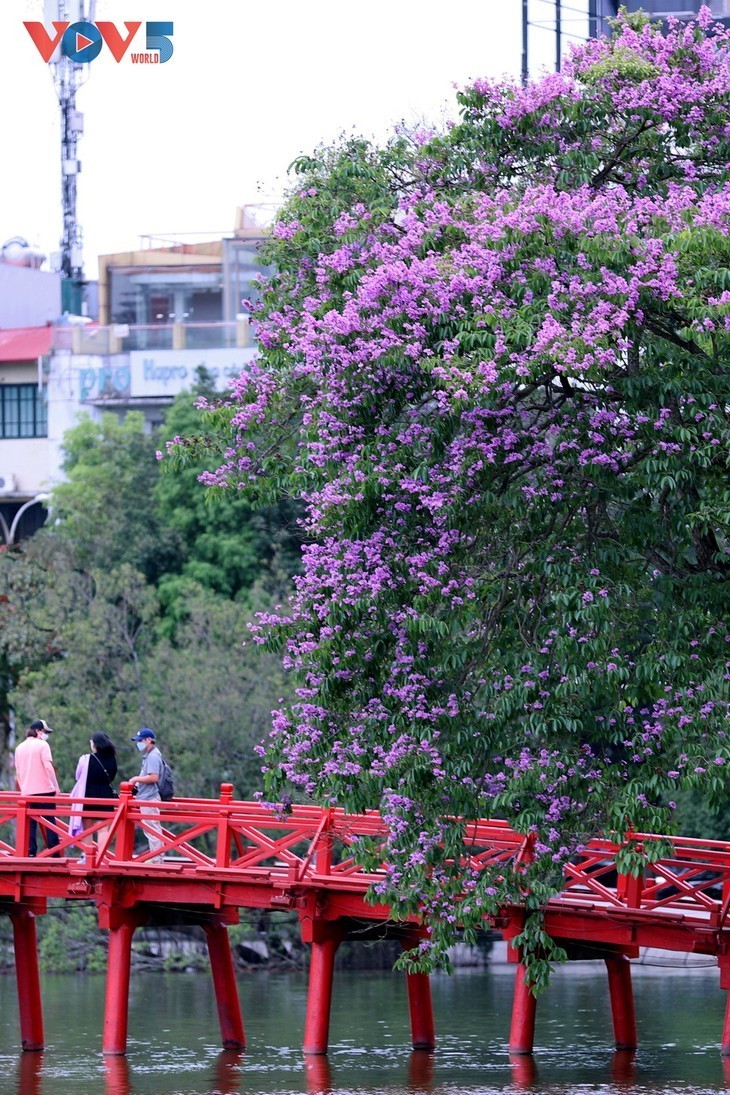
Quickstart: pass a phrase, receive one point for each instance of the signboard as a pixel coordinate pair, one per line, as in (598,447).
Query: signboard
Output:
(168,372)
(103,382)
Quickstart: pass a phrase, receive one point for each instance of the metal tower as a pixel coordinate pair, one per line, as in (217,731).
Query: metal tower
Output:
(68,76)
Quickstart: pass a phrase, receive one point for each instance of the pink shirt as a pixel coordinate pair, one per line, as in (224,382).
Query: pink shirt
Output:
(34,768)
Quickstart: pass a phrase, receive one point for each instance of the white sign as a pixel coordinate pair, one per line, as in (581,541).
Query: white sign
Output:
(168,372)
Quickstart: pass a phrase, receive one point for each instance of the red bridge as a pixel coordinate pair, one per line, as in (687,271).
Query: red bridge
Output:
(221,856)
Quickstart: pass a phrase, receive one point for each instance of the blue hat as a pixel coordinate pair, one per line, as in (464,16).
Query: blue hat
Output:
(144,734)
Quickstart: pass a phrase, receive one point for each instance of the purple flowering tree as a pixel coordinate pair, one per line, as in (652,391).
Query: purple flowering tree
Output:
(494,367)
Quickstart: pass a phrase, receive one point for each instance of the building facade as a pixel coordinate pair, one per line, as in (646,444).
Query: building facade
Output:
(164,312)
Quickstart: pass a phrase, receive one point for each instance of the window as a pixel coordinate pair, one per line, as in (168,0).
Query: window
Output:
(23,411)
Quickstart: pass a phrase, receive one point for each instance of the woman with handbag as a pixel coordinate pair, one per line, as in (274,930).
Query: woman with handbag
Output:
(94,775)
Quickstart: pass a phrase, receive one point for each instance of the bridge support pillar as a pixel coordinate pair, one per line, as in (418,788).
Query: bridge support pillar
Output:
(423,1031)
(326,938)
(524,1008)
(28,980)
(119,961)
(622,1002)
(224,983)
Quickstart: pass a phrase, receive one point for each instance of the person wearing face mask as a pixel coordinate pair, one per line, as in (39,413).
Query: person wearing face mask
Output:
(35,777)
(147,791)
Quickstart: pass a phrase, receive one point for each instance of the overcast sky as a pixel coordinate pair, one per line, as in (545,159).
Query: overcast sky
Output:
(174,148)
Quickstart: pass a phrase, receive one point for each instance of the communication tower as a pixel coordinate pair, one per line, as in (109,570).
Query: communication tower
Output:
(68,76)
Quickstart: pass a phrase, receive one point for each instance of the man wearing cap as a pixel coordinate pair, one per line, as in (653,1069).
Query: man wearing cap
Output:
(146,784)
(35,777)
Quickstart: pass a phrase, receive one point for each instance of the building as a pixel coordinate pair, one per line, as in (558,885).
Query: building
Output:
(600,12)
(163,311)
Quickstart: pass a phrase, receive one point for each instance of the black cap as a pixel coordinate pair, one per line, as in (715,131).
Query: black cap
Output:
(41,724)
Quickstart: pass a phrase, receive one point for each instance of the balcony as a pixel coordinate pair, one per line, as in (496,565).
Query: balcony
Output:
(120,338)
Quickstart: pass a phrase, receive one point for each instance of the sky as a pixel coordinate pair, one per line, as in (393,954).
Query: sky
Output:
(173,149)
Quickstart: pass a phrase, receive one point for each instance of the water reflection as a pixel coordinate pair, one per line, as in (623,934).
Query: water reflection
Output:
(524,1069)
(726,1071)
(623,1068)
(318,1074)
(116,1076)
(228,1069)
(681,1023)
(420,1070)
(30,1074)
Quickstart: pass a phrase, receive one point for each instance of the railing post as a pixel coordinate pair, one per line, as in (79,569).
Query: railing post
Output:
(223,842)
(630,889)
(22,829)
(323,849)
(125,832)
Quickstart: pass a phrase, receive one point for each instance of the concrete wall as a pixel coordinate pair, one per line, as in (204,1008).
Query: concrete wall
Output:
(28,298)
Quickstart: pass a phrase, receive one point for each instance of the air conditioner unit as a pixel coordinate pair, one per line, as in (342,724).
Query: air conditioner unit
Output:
(7,483)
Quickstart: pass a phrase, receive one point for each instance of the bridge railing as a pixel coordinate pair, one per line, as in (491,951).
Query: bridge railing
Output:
(309,846)
(203,834)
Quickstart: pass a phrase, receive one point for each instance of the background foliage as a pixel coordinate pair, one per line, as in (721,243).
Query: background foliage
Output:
(129,608)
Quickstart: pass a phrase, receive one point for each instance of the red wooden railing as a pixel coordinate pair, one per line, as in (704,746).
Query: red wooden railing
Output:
(247,840)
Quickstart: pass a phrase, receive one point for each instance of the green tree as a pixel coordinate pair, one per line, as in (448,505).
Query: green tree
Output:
(104,627)
(106,506)
(95,680)
(211,698)
(225,544)
(500,383)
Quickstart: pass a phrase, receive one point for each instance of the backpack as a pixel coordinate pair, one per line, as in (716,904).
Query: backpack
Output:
(166,782)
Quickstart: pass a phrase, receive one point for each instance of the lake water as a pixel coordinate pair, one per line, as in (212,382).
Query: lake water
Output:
(174,1038)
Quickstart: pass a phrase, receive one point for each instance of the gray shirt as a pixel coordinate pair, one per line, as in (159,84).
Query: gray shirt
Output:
(151,763)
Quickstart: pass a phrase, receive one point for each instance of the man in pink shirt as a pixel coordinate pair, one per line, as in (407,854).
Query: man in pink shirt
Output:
(35,776)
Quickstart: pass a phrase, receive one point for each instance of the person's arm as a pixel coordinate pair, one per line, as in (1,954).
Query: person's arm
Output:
(150,777)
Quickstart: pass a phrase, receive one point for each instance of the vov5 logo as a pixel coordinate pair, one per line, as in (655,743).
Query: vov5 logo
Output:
(82,41)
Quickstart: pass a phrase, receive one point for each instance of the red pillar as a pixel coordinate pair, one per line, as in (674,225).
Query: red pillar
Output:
(116,1007)
(319,997)
(28,979)
(224,983)
(524,1006)
(622,1002)
(423,1031)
